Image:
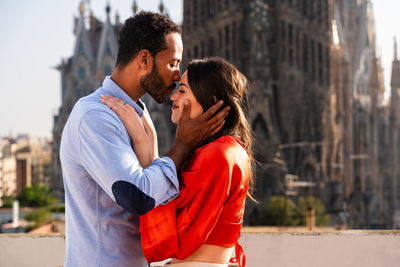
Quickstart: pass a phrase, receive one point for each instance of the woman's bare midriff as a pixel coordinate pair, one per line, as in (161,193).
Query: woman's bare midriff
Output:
(210,253)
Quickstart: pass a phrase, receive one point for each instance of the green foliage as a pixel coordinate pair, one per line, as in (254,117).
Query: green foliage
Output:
(281,211)
(7,201)
(58,208)
(36,196)
(278,211)
(39,217)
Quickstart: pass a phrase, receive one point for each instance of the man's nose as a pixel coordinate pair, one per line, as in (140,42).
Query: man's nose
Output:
(177,76)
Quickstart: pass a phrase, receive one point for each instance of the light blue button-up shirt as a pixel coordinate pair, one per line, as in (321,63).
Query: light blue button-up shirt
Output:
(106,189)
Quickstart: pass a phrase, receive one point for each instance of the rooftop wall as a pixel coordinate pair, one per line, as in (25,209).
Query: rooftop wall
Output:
(283,249)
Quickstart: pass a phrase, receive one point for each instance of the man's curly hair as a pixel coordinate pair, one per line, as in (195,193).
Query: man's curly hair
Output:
(146,30)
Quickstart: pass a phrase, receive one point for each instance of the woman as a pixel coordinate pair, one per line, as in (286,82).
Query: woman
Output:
(202,226)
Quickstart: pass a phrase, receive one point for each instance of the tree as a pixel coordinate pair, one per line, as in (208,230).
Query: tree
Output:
(36,196)
(321,219)
(7,201)
(279,211)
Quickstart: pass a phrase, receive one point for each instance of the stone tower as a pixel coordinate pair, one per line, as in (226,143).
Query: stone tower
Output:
(94,55)
(395,137)
(283,48)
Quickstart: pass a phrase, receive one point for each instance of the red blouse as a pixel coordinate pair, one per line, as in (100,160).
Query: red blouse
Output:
(209,209)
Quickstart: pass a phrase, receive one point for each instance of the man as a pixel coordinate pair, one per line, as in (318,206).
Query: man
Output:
(105,187)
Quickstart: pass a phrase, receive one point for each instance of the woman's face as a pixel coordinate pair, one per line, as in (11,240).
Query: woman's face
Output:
(184,92)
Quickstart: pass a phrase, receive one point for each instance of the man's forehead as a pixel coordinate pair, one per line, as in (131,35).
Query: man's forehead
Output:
(174,42)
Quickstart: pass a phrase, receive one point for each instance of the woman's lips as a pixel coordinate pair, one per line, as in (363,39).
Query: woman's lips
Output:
(174,107)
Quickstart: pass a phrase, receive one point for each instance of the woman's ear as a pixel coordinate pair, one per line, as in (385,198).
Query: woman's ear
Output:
(145,59)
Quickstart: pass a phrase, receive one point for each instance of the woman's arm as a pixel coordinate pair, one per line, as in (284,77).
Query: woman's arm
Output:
(151,134)
(133,124)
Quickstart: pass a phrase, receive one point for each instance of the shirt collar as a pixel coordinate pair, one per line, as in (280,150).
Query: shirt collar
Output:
(113,89)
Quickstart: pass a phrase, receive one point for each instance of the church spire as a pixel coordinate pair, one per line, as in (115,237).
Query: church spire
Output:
(162,9)
(108,9)
(395,81)
(82,8)
(134,7)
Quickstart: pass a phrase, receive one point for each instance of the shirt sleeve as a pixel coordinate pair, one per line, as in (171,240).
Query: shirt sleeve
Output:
(178,231)
(107,155)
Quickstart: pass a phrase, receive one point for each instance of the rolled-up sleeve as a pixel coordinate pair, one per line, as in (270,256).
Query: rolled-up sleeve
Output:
(107,155)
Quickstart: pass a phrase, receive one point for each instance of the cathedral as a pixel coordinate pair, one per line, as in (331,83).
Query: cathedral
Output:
(321,123)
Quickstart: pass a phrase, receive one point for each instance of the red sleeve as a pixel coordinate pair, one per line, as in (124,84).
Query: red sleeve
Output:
(179,228)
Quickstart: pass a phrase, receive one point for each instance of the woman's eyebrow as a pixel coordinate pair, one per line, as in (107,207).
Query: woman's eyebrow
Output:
(183,84)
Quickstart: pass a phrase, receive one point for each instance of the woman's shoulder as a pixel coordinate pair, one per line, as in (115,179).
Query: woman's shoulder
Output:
(222,148)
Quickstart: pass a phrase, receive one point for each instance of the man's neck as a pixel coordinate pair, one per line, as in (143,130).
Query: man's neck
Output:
(128,82)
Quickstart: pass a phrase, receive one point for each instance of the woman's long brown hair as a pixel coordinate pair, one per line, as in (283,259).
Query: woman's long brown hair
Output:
(213,79)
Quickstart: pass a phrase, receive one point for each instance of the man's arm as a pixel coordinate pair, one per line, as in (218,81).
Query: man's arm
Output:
(191,133)
(107,156)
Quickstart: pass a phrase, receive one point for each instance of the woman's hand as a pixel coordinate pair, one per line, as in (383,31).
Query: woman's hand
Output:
(133,124)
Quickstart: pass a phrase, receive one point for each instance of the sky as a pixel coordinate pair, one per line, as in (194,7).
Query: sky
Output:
(36,35)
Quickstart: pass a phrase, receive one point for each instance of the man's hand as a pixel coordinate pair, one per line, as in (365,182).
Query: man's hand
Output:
(191,133)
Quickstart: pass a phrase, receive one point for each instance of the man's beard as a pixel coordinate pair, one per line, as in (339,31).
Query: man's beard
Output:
(154,85)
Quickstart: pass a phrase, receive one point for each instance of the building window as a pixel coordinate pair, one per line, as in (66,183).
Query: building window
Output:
(326,13)
(283,31)
(227,36)
(226,4)
(304,6)
(82,73)
(319,11)
(219,7)
(203,49)
(196,51)
(203,9)
(290,34)
(195,13)
(211,8)
(312,60)
(297,51)
(305,53)
(320,65)
(328,66)
(312,9)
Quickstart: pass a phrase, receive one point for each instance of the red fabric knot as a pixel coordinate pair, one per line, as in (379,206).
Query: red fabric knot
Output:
(240,257)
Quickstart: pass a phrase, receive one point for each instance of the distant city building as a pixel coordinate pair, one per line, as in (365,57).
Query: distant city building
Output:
(316,95)
(24,161)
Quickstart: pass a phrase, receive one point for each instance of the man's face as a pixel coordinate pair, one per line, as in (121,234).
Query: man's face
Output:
(160,82)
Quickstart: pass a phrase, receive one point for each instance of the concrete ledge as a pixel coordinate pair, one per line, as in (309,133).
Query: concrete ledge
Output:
(25,250)
(357,248)
(263,247)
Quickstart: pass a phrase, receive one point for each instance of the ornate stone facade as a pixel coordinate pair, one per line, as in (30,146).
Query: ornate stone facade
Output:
(316,97)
